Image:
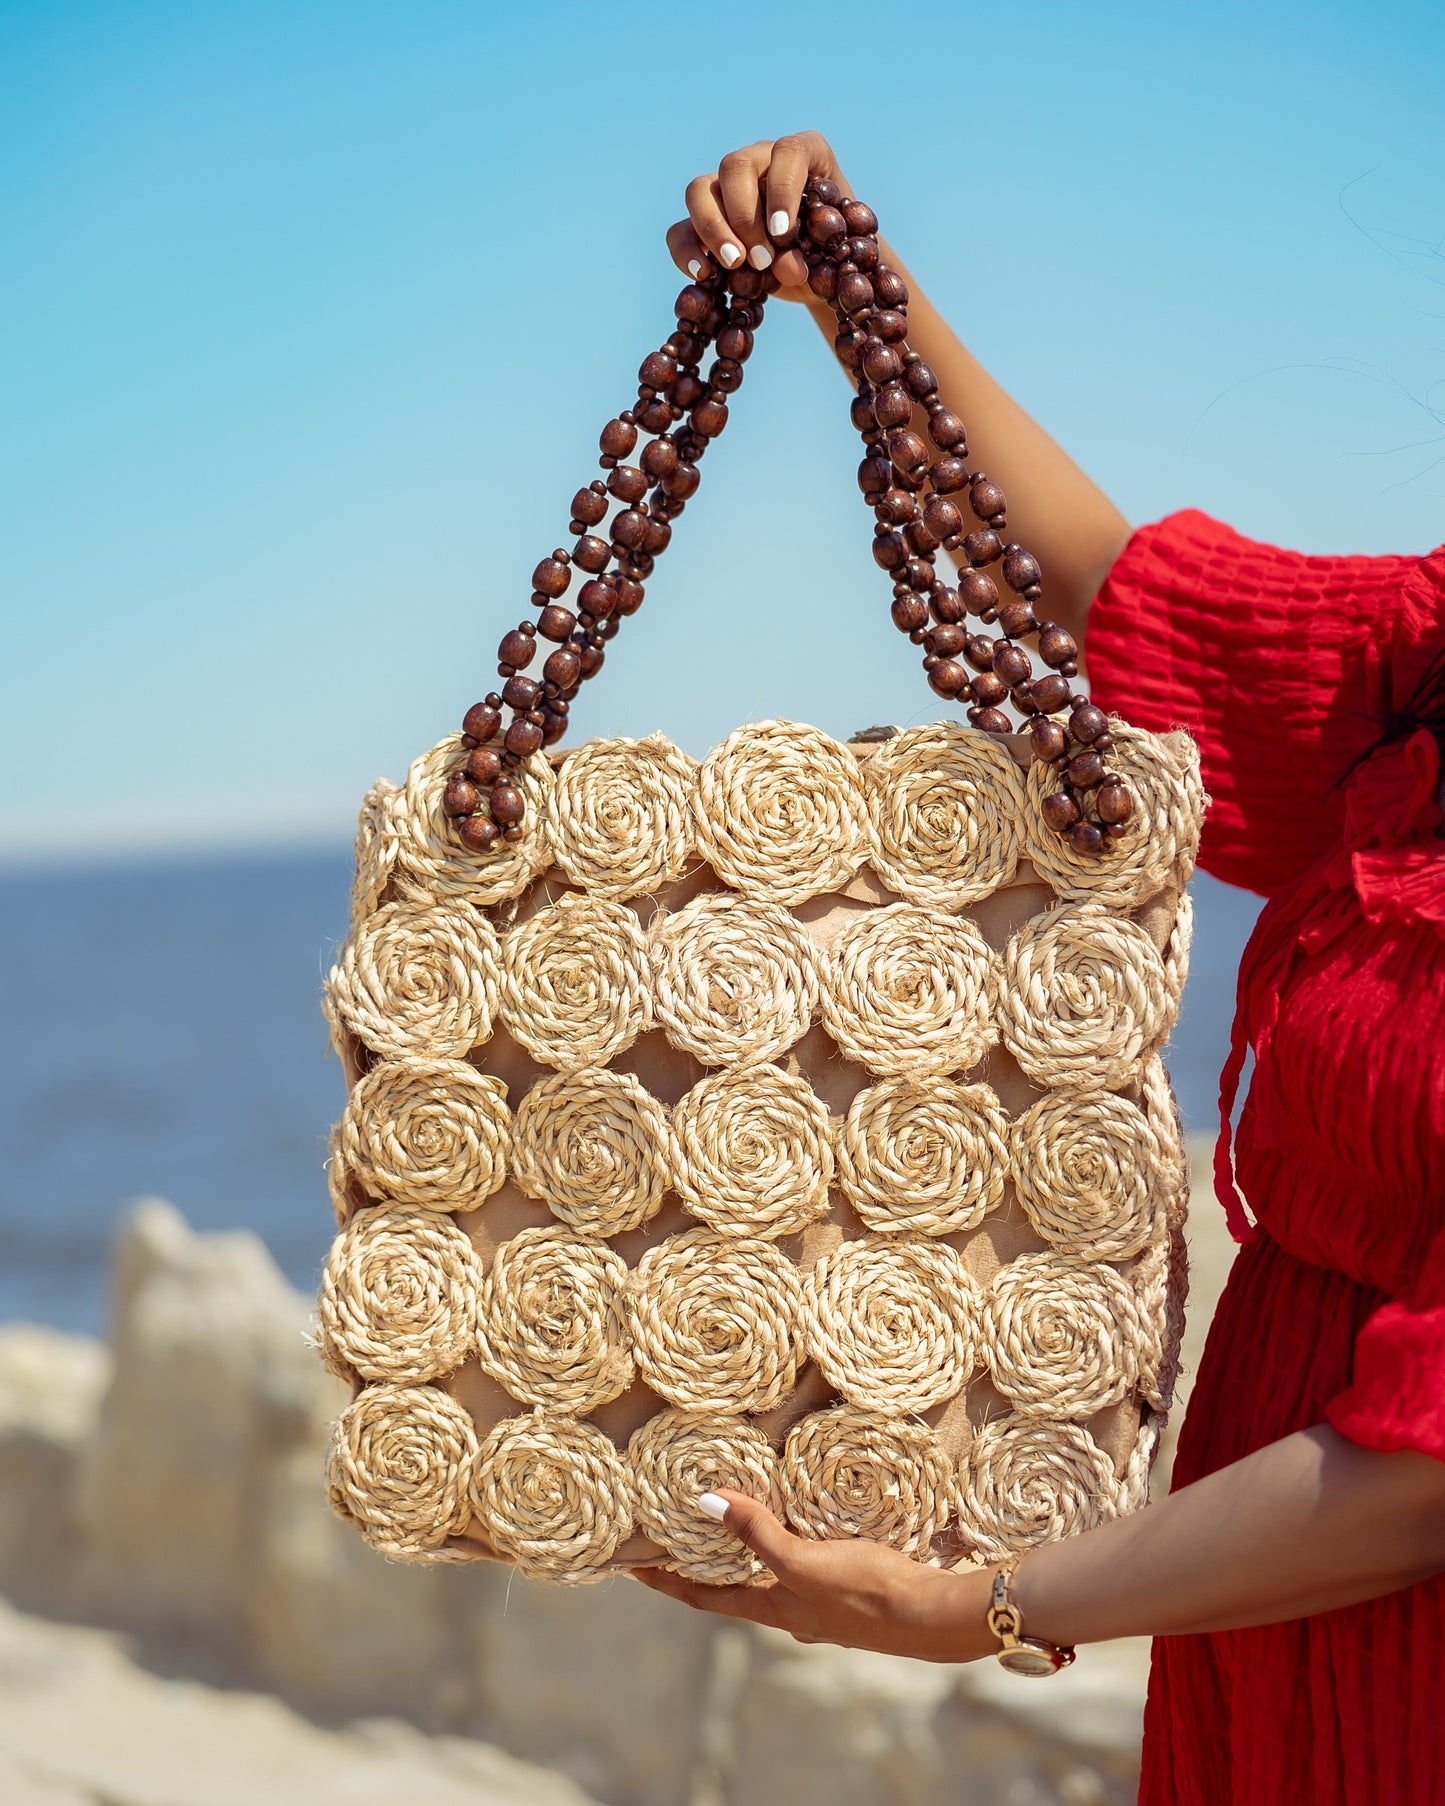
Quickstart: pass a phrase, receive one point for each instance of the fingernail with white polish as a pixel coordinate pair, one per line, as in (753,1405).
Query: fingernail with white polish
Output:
(713,1506)
(760,257)
(694,268)
(730,254)
(778,224)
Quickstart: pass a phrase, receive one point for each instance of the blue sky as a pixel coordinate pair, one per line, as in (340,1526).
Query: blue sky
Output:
(310,314)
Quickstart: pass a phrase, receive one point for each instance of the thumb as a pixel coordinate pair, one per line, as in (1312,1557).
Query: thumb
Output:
(753,1524)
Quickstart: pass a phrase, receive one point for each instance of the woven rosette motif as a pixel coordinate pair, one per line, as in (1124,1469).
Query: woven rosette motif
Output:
(792,1122)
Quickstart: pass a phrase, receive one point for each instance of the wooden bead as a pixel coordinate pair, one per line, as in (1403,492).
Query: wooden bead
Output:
(693,303)
(909,613)
(889,287)
(747,283)
(863,251)
(656,370)
(860,410)
(991,721)
(1020,568)
(890,326)
(825,223)
(946,603)
(897,506)
(460,795)
(709,418)
(1051,692)
(823,279)
(988,690)
(949,475)
(978,649)
(891,406)
(481,722)
(630,529)
(1016,619)
(597,599)
(947,678)
(978,590)
(946,640)
(947,432)
(682,482)
(521,692)
(591,553)
(658,536)
(917,573)
(1086,770)
(659,458)
(629,595)
(627,483)
(551,576)
(875,475)
(1060,811)
(855,291)
(848,348)
(889,551)
(1086,837)
(907,450)
(523,738)
(563,667)
(1047,740)
(1011,663)
(920,380)
(592,658)
(684,392)
(478,834)
(1087,722)
(555,623)
(826,191)
(881,363)
(517,649)
(637,565)
(505,801)
(987,499)
(1056,646)
(617,438)
(587,507)
(981,546)
(941,517)
(735,342)
(1114,802)
(920,539)
(484,765)
(859,218)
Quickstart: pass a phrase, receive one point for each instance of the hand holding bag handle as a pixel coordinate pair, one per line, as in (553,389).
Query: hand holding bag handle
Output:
(839,239)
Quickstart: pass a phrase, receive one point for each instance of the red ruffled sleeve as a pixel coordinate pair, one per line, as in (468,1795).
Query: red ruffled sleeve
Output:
(1396,1399)
(1270,658)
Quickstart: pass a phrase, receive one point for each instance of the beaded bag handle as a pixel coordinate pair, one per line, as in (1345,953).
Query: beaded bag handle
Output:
(910,490)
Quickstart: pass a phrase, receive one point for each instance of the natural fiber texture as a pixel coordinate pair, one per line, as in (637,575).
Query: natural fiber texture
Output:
(619,818)
(553,1495)
(780,813)
(893,1326)
(376,847)
(399,1296)
(856,1473)
(1064,1336)
(432,1133)
(677,1456)
(576,987)
(401,1465)
(909,989)
(924,1155)
(596,1147)
(1159,838)
(417,978)
(431,860)
(1023,1483)
(1083,996)
(754,1151)
(1088,1167)
(736,980)
(715,1321)
(946,808)
(549,1327)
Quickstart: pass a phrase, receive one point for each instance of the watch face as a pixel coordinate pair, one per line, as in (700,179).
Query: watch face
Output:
(1021,1659)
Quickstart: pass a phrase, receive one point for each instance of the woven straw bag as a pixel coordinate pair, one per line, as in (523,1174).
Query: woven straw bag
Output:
(793,1121)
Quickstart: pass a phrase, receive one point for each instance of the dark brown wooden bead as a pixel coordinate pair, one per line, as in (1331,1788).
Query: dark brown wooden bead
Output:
(823,279)
(551,576)
(637,565)
(484,765)
(1023,697)
(693,303)
(824,223)
(1060,811)
(848,348)
(482,721)
(555,623)
(659,535)
(860,410)
(907,450)
(460,795)
(881,363)
(919,379)
(682,482)
(629,595)
(863,252)
(979,649)
(478,834)
(1086,770)
(941,517)
(890,326)
(1087,722)
(826,191)
(627,483)
(597,598)
(988,689)
(591,553)
(735,342)
(521,692)
(920,539)
(523,738)
(563,667)
(617,438)
(889,551)
(656,415)
(553,728)
(1114,803)
(947,678)
(1016,619)
(986,499)
(684,392)
(947,432)
(875,475)
(587,507)
(946,603)
(748,284)
(517,649)
(917,573)
(1047,740)
(979,592)
(1020,568)
(630,529)
(909,613)
(592,658)
(659,458)
(897,506)
(657,370)
(891,406)
(991,721)
(949,475)
(709,418)
(981,546)
(1051,692)
(1056,646)
(1086,837)
(505,801)
(858,217)
(889,287)
(855,291)
(946,640)
(1012,663)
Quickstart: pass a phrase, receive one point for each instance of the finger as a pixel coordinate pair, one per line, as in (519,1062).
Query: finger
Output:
(794,159)
(753,1524)
(688,251)
(740,180)
(704,209)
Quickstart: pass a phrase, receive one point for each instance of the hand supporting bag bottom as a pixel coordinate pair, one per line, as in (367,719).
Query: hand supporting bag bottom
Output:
(792,1121)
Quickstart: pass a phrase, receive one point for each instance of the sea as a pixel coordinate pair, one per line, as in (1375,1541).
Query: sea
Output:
(161,1035)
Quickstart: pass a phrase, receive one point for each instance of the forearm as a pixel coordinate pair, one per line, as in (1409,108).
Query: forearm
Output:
(1058,512)
(1304,1525)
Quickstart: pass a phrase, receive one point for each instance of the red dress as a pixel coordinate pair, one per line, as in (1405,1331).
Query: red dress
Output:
(1286,669)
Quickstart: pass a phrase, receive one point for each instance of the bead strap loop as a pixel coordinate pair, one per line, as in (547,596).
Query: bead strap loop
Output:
(922,500)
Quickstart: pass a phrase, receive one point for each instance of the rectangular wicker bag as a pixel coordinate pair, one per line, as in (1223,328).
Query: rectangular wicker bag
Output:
(792,1121)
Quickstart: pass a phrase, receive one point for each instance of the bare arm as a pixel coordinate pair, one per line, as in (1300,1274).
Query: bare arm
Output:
(1064,518)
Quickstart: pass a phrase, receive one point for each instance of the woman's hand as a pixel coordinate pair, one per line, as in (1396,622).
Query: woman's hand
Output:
(748,209)
(860,1594)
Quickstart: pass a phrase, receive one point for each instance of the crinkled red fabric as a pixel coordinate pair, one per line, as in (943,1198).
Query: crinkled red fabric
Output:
(1283,666)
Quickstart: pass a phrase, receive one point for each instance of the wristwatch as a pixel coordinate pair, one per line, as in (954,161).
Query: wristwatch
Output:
(1018,1653)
